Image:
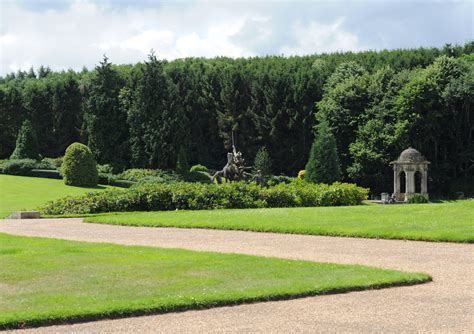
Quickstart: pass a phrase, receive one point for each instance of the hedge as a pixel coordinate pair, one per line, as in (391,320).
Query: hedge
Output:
(197,196)
(23,166)
(46,173)
(143,176)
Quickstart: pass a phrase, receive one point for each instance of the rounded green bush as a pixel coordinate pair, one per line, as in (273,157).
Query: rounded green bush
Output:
(199,168)
(199,177)
(79,167)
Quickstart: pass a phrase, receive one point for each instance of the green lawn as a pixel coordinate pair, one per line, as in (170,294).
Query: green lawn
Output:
(449,221)
(28,193)
(46,281)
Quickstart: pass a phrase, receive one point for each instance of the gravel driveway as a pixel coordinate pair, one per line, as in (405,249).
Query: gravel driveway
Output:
(444,305)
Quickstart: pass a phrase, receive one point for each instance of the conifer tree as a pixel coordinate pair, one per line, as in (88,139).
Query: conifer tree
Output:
(182,166)
(323,163)
(105,121)
(26,143)
(66,106)
(263,162)
(150,119)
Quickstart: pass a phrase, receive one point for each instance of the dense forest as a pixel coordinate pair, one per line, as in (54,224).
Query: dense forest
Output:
(150,113)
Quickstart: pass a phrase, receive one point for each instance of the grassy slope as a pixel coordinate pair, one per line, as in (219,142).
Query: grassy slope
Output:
(47,281)
(28,193)
(451,221)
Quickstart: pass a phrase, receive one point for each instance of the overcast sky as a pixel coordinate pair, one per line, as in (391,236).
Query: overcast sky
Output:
(73,34)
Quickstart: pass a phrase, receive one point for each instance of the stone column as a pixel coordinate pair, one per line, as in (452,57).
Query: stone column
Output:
(424,181)
(396,182)
(410,184)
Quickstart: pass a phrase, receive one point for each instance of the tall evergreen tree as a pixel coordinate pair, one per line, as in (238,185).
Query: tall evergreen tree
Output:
(345,101)
(11,112)
(151,120)
(67,111)
(43,72)
(105,121)
(182,166)
(263,162)
(36,100)
(232,115)
(26,143)
(323,163)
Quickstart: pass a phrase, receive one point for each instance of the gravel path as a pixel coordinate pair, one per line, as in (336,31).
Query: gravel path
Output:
(444,305)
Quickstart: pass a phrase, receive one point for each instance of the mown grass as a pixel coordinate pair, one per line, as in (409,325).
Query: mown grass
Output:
(448,221)
(49,281)
(29,193)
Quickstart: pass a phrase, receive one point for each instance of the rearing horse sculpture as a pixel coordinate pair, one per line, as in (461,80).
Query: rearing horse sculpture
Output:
(234,170)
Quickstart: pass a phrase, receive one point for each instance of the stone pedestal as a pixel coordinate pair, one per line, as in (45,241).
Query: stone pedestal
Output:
(24,215)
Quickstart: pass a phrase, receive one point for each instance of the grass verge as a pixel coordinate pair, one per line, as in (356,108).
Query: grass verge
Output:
(49,281)
(448,221)
(27,193)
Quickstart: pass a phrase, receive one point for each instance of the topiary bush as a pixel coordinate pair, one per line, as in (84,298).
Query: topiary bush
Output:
(198,196)
(199,177)
(26,143)
(199,168)
(199,174)
(79,167)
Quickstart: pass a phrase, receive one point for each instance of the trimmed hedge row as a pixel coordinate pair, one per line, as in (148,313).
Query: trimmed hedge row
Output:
(23,166)
(46,173)
(197,196)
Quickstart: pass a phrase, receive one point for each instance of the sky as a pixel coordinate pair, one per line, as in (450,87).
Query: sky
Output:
(76,33)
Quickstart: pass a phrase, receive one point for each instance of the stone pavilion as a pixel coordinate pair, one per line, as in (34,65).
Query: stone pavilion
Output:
(410,175)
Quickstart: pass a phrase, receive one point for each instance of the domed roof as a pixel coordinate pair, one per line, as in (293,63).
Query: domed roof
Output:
(411,155)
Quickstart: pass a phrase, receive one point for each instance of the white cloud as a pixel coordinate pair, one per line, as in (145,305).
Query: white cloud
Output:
(316,38)
(80,34)
(142,42)
(77,33)
(6,40)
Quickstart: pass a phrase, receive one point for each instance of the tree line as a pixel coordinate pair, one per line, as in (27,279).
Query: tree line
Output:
(154,113)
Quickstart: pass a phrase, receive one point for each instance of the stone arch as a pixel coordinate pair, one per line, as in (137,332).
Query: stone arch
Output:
(402,177)
(418,182)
